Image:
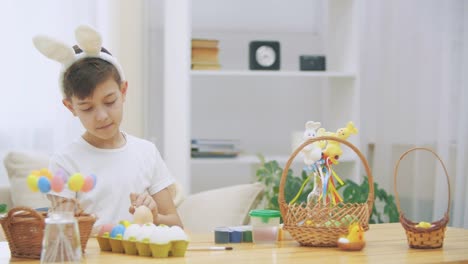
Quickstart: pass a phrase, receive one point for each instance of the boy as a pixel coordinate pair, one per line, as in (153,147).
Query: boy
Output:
(94,90)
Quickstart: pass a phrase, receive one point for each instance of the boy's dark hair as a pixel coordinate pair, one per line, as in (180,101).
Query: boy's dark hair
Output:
(82,77)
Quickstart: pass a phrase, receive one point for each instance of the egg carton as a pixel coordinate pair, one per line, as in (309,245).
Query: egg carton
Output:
(175,248)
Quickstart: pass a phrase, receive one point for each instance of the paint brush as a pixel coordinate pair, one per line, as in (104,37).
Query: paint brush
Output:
(209,248)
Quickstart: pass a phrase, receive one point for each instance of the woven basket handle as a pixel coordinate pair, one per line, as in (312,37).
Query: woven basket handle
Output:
(282,202)
(397,199)
(23,211)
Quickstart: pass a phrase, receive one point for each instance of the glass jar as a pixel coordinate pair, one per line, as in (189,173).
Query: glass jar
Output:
(61,242)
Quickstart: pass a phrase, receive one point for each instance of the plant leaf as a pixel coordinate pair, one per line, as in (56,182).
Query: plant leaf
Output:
(3,208)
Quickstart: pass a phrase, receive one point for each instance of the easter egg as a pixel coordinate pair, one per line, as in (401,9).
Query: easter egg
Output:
(57,183)
(106,228)
(117,230)
(145,232)
(76,182)
(423,224)
(132,232)
(349,219)
(125,223)
(32,182)
(45,172)
(177,233)
(332,223)
(88,184)
(43,184)
(161,235)
(142,215)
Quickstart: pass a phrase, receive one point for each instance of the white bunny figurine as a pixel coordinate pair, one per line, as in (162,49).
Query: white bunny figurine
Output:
(311,152)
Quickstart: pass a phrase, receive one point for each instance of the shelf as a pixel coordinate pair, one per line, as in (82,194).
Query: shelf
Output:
(253,159)
(193,97)
(247,73)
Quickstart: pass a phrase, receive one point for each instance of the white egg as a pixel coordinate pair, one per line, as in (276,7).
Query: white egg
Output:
(145,231)
(132,230)
(177,233)
(160,235)
(142,215)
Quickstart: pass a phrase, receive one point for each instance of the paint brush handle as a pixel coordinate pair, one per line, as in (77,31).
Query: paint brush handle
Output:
(215,248)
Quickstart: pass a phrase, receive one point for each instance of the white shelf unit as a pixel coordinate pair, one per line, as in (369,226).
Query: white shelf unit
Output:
(244,73)
(261,108)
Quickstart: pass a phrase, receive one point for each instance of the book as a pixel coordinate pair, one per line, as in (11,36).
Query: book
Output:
(205,52)
(207,141)
(206,66)
(216,148)
(205,43)
(213,155)
(205,55)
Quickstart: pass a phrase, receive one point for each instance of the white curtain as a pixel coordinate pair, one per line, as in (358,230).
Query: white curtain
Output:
(32,116)
(415,93)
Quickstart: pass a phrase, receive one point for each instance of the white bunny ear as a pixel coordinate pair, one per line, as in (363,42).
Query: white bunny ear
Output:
(312,125)
(54,49)
(89,40)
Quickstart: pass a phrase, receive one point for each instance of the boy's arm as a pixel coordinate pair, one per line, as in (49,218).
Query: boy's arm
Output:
(167,212)
(161,205)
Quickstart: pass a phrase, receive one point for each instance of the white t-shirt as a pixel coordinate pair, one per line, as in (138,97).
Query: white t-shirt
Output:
(136,167)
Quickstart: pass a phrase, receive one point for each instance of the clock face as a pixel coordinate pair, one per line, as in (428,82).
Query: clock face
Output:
(265,56)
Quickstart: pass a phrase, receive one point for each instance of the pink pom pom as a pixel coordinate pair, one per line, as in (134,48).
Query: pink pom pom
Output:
(57,183)
(61,173)
(88,184)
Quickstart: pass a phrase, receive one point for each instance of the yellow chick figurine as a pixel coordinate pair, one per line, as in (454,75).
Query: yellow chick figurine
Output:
(354,240)
(332,149)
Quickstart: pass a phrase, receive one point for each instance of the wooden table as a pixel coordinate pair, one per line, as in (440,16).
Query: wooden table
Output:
(386,243)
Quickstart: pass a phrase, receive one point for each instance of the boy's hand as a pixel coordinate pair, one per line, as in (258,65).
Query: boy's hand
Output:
(146,200)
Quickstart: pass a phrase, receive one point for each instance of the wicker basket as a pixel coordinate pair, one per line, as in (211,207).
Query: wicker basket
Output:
(319,233)
(417,237)
(24,228)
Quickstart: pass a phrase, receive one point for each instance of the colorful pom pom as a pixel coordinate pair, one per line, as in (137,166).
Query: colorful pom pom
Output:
(32,182)
(43,180)
(57,183)
(43,184)
(94,179)
(46,172)
(88,184)
(61,173)
(36,173)
(76,182)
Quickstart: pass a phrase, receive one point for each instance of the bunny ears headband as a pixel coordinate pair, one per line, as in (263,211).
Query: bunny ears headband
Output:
(89,40)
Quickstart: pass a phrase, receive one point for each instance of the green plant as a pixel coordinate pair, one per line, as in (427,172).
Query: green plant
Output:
(269,173)
(3,208)
(358,193)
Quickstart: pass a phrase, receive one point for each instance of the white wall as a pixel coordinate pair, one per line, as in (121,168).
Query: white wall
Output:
(131,55)
(31,113)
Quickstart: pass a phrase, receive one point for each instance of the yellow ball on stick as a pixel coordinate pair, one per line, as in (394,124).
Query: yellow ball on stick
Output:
(76,182)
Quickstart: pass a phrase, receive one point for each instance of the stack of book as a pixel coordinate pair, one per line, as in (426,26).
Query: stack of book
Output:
(205,54)
(214,148)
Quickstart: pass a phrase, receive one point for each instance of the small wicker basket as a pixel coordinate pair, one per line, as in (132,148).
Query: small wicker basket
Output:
(24,229)
(320,234)
(423,238)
